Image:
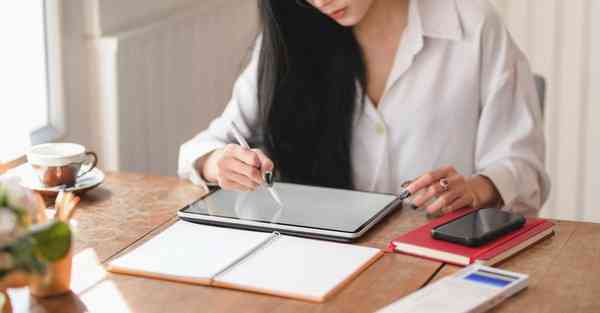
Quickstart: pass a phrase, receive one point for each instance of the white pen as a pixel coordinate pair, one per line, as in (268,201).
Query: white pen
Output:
(268,175)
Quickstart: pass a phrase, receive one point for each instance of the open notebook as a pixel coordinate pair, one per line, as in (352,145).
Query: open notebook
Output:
(260,262)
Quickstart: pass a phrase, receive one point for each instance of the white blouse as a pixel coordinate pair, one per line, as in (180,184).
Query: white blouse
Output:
(460,93)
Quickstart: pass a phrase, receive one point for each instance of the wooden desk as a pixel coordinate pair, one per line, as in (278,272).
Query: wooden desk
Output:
(564,272)
(128,206)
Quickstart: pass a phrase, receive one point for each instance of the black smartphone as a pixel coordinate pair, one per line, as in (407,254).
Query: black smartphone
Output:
(479,227)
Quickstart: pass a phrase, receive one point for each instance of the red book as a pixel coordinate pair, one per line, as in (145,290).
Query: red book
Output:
(419,242)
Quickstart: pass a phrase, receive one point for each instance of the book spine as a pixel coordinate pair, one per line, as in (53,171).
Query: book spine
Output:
(501,242)
(391,248)
(245,256)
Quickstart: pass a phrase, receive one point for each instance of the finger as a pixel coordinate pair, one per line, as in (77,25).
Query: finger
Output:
(444,200)
(432,191)
(429,178)
(241,179)
(459,203)
(266,165)
(436,189)
(227,184)
(245,155)
(241,168)
(251,172)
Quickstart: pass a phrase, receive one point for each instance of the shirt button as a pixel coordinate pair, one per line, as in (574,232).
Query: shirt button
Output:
(380,128)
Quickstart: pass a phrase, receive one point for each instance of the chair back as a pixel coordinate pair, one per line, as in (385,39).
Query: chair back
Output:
(540,85)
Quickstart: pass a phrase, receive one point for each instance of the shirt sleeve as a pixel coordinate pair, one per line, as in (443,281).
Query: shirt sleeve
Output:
(242,109)
(510,148)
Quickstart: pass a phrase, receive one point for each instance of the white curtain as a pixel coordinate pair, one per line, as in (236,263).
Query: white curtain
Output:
(562,41)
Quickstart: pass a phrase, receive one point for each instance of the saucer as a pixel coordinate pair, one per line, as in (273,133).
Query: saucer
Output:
(30,180)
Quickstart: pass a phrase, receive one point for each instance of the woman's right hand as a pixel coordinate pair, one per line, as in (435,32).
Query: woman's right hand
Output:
(236,168)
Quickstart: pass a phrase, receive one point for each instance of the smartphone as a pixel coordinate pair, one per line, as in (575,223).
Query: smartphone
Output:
(479,227)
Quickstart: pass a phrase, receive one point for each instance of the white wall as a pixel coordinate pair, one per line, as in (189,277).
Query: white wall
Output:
(91,69)
(162,83)
(117,15)
(562,41)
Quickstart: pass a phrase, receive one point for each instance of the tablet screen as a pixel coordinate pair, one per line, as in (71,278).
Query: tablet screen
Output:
(305,206)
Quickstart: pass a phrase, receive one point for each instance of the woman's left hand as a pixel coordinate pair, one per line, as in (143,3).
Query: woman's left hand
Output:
(451,189)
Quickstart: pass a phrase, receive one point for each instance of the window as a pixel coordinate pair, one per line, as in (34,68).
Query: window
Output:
(28,114)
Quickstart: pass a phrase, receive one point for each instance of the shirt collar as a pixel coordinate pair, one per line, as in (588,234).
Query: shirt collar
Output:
(436,18)
(426,18)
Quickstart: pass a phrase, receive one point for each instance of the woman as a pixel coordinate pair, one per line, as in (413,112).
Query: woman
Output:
(368,94)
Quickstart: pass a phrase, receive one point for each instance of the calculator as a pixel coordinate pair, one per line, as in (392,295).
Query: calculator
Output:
(474,289)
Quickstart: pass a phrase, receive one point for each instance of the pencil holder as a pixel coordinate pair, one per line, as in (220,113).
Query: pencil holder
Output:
(5,304)
(55,281)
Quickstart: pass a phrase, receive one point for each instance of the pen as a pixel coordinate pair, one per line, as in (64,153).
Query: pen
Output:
(405,194)
(268,175)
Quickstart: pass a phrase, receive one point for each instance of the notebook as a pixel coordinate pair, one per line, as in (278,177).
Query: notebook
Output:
(269,263)
(419,242)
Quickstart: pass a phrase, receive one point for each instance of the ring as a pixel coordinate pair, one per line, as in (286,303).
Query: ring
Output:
(444,184)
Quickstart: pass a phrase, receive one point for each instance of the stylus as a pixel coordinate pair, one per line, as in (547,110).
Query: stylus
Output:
(268,175)
(404,194)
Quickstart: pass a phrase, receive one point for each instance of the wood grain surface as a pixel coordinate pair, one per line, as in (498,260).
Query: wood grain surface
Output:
(128,208)
(564,272)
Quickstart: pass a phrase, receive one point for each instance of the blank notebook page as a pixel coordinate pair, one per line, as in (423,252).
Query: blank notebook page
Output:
(299,268)
(187,250)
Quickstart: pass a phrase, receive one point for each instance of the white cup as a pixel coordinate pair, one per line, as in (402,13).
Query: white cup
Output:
(61,163)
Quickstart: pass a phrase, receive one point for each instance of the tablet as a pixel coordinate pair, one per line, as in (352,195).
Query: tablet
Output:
(308,211)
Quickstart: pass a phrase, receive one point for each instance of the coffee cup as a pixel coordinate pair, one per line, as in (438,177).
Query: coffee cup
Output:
(60,163)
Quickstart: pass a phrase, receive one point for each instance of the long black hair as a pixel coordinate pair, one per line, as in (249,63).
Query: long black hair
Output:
(308,72)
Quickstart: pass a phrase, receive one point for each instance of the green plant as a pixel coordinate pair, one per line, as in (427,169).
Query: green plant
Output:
(31,252)
(28,243)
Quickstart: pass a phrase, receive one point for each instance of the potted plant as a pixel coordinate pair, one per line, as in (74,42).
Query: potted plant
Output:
(34,250)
